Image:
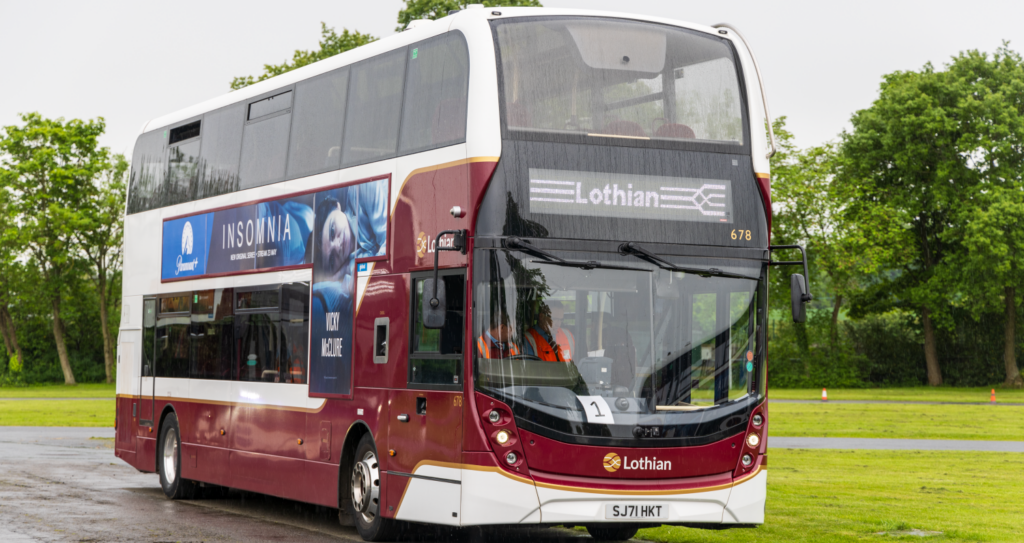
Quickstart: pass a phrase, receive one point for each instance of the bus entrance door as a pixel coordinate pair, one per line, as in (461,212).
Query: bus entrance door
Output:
(424,478)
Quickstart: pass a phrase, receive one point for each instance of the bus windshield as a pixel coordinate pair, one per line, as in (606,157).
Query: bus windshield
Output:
(597,344)
(618,78)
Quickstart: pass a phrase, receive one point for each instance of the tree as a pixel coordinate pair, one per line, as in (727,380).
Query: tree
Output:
(807,210)
(988,269)
(435,9)
(10,277)
(331,44)
(904,179)
(100,234)
(47,167)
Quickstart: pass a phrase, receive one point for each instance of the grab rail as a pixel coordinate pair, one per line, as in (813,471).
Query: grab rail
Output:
(764,96)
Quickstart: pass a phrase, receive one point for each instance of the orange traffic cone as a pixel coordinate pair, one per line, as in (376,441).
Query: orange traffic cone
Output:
(824,395)
(993,398)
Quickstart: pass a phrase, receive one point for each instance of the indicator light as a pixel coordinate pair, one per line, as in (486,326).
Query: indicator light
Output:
(753,440)
(299,441)
(747,460)
(758,420)
(511,457)
(502,437)
(494,416)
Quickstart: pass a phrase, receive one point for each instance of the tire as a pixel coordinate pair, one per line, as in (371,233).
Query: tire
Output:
(611,532)
(363,503)
(168,461)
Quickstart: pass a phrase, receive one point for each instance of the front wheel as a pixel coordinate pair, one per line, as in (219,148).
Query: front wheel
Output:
(364,494)
(168,461)
(611,533)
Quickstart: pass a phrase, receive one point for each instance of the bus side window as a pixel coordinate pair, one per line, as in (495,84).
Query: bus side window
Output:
(294,332)
(436,91)
(172,336)
(435,358)
(258,335)
(212,334)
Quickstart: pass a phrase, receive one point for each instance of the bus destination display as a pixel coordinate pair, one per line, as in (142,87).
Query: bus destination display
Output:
(627,196)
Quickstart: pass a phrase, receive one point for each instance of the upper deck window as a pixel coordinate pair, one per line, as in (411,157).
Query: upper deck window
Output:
(617,78)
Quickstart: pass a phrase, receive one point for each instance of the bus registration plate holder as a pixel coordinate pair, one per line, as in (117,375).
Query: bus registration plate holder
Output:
(636,511)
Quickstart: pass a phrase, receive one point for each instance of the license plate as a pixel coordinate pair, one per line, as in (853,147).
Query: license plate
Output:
(636,511)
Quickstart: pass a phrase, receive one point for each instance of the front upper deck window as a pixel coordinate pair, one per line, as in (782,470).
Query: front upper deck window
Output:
(618,78)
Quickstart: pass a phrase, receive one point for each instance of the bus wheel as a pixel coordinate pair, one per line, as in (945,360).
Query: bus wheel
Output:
(364,494)
(168,461)
(611,533)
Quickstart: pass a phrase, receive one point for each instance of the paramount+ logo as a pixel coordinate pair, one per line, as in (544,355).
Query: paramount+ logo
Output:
(613,462)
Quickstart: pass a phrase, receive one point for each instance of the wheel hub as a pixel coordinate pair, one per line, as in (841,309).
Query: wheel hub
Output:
(171,456)
(366,487)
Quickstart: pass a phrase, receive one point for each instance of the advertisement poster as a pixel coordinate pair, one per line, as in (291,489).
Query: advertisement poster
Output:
(329,229)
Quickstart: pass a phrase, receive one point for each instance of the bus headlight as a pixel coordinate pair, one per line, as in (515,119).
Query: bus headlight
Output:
(502,437)
(494,417)
(758,420)
(747,460)
(511,457)
(753,440)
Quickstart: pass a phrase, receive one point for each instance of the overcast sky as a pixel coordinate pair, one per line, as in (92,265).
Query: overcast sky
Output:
(130,61)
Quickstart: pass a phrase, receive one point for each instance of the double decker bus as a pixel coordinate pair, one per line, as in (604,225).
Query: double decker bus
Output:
(507,267)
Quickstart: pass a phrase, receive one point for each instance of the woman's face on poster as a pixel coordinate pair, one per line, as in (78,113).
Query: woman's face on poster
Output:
(336,244)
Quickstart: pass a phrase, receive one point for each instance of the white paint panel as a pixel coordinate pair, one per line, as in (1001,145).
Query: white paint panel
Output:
(431,501)
(746,504)
(492,498)
(440,472)
(128,371)
(131,313)
(125,358)
(584,507)
(168,387)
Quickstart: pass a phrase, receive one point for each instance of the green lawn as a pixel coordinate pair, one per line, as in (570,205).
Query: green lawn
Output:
(836,496)
(89,390)
(921,421)
(57,413)
(910,394)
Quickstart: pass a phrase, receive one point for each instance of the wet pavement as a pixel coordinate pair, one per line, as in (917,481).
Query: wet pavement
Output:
(64,484)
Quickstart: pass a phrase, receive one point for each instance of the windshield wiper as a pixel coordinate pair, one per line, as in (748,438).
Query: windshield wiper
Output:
(633,248)
(519,244)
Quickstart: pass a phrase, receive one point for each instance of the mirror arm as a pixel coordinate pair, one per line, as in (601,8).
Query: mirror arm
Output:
(807,277)
(458,244)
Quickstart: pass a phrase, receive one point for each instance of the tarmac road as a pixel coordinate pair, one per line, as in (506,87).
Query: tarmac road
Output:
(64,484)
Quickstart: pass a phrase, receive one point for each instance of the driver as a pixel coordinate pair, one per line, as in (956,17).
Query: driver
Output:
(496,342)
(548,340)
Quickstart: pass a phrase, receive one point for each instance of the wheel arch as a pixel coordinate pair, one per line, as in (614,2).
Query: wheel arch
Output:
(353,436)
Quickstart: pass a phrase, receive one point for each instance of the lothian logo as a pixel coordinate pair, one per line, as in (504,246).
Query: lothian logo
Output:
(613,462)
(186,249)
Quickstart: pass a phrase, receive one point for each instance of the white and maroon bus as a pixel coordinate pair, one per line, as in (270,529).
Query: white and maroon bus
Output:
(506,267)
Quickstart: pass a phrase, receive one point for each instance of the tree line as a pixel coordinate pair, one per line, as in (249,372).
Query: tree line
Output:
(912,218)
(914,223)
(61,204)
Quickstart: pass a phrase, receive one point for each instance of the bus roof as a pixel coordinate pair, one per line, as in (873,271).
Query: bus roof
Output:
(421,31)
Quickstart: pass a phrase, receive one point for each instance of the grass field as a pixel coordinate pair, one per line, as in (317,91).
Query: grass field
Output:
(57,413)
(836,496)
(910,394)
(89,390)
(922,421)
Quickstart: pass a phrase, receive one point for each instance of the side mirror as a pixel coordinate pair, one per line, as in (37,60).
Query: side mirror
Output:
(796,294)
(434,306)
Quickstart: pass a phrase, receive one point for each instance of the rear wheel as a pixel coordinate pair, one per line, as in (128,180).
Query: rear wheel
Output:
(364,494)
(168,461)
(611,533)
